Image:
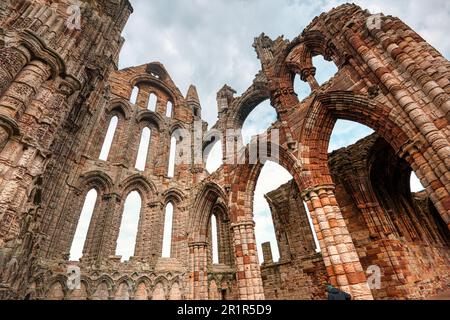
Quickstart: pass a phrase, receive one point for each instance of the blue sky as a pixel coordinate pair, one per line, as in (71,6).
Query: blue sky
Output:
(209,43)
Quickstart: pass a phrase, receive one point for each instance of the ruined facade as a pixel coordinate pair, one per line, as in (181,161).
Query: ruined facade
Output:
(61,91)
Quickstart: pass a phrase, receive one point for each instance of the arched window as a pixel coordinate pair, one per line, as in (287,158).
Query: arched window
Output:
(214,157)
(167,235)
(325,70)
(258,121)
(215,241)
(134,95)
(169,109)
(152,99)
(172,153)
(126,241)
(107,143)
(141,158)
(76,250)
(271,177)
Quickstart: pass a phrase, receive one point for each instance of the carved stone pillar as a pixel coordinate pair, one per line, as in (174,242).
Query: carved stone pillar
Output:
(15,99)
(12,60)
(198,261)
(109,226)
(16,93)
(247,264)
(308,75)
(339,253)
(145,245)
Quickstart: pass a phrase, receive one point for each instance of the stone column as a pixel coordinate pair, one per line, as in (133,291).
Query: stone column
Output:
(15,98)
(339,253)
(107,229)
(145,239)
(12,60)
(308,75)
(198,261)
(247,264)
(267,253)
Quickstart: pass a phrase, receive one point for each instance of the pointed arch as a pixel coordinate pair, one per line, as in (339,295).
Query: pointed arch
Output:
(158,292)
(134,95)
(126,241)
(109,138)
(144,144)
(321,118)
(172,155)
(152,101)
(138,182)
(169,109)
(141,292)
(119,106)
(150,118)
(175,292)
(174,195)
(56,291)
(214,239)
(168,228)
(79,239)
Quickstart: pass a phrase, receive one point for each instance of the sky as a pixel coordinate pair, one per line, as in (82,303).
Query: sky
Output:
(209,44)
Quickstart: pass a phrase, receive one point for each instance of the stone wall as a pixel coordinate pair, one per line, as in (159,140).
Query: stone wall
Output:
(60,87)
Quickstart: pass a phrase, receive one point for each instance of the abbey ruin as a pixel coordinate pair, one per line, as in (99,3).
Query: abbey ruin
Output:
(61,90)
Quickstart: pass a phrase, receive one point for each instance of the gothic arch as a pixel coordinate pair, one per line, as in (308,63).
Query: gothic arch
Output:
(174,195)
(208,196)
(245,104)
(176,128)
(95,179)
(139,183)
(106,279)
(58,241)
(157,83)
(119,106)
(213,136)
(244,182)
(152,118)
(52,285)
(319,123)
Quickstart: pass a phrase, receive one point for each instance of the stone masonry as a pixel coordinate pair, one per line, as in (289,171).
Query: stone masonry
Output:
(60,91)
